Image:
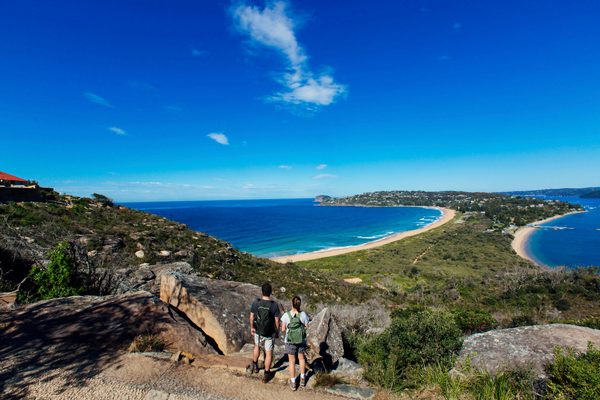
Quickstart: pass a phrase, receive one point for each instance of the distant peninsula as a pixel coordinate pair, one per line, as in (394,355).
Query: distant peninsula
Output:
(591,195)
(566,192)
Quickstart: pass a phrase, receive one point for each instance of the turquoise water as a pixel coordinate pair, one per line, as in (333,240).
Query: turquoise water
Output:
(576,246)
(277,228)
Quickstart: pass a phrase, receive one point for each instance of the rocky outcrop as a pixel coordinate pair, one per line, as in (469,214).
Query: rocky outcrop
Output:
(324,338)
(530,345)
(107,321)
(220,308)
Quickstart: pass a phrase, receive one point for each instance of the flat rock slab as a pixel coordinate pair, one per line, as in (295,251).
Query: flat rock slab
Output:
(529,345)
(221,309)
(352,391)
(108,320)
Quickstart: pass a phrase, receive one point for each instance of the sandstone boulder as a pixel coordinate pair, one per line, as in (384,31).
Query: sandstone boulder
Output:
(220,308)
(529,345)
(144,274)
(112,244)
(324,338)
(139,254)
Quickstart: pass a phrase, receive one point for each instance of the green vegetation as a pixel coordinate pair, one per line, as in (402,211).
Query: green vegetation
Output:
(575,375)
(147,342)
(503,210)
(413,340)
(465,266)
(107,236)
(59,279)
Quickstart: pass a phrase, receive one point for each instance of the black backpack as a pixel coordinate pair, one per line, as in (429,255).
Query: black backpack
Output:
(264,320)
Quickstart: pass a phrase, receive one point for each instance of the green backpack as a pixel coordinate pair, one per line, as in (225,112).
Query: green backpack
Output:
(296,330)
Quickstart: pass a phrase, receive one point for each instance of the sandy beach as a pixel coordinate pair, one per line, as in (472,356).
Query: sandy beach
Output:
(522,233)
(448,215)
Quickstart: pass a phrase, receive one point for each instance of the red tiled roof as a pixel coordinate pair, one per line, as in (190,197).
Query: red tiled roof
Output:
(7,177)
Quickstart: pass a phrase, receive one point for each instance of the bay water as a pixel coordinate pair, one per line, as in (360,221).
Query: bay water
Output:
(576,246)
(277,228)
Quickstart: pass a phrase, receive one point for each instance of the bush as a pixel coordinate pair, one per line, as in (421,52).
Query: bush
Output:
(147,342)
(575,375)
(474,321)
(522,320)
(563,305)
(60,278)
(419,339)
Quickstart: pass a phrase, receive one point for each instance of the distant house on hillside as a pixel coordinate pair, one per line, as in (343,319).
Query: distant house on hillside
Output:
(9,180)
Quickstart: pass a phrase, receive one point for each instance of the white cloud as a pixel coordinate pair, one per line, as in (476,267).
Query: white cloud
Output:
(325,176)
(140,85)
(198,52)
(273,28)
(117,131)
(218,137)
(97,99)
(174,108)
(457,25)
(322,166)
(285,167)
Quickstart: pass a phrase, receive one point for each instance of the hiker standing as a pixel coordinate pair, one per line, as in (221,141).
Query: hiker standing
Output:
(264,320)
(294,324)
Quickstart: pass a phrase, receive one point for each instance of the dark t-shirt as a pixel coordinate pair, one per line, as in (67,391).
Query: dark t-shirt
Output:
(274,308)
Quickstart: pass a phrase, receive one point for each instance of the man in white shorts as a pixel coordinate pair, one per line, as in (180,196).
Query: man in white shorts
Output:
(264,320)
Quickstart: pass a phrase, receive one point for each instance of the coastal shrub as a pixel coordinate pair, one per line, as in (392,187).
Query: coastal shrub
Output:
(414,340)
(574,374)
(59,279)
(522,320)
(147,342)
(563,305)
(591,322)
(474,321)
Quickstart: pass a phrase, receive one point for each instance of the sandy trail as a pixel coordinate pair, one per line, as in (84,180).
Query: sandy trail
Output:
(522,233)
(447,216)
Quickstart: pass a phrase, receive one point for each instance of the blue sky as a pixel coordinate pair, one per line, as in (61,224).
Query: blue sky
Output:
(201,100)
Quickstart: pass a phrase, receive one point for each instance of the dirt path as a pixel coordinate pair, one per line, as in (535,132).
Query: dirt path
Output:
(84,374)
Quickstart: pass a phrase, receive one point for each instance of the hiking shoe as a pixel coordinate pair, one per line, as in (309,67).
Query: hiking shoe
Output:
(254,367)
(292,385)
(267,376)
(303,382)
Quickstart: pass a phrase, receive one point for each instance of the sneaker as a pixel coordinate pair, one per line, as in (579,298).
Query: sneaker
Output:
(292,385)
(254,367)
(303,382)
(267,376)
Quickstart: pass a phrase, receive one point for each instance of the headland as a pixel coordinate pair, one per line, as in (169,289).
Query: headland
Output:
(447,215)
(523,233)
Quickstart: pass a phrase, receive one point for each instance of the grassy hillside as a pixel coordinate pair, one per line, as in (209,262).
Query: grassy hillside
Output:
(463,264)
(109,236)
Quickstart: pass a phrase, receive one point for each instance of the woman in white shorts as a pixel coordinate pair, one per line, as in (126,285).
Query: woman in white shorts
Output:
(297,349)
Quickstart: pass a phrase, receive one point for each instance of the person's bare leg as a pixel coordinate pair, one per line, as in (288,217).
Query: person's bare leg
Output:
(268,358)
(256,353)
(292,360)
(302,362)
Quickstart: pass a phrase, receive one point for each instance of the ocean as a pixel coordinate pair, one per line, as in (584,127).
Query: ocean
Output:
(576,246)
(278,228)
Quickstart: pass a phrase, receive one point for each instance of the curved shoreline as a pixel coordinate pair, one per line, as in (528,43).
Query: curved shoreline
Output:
(523,233)
(447,215)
